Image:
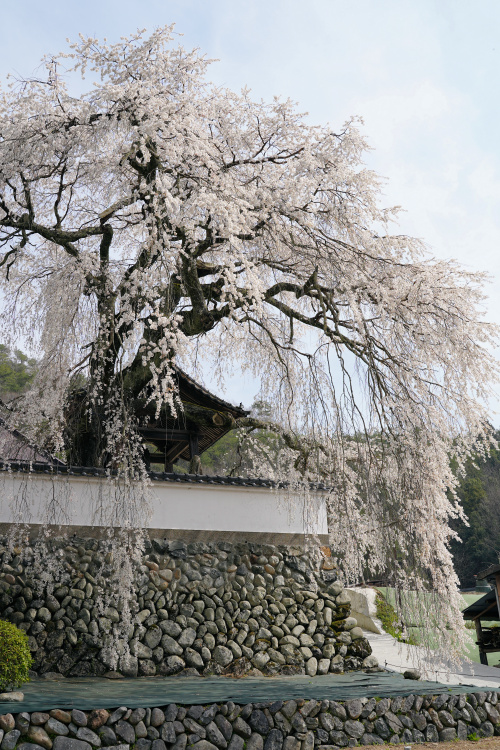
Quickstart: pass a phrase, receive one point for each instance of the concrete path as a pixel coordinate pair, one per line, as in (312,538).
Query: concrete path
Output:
(399,657)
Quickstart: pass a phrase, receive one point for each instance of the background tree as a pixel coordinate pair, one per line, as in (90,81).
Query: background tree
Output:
(479,492)
(16,372)
(159,218)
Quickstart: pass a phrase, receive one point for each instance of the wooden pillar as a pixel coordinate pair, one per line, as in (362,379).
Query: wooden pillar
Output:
(193,445)
(497,590)
(483,657)
(195,462)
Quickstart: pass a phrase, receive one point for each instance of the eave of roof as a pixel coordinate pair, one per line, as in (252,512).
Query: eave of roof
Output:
(203,397)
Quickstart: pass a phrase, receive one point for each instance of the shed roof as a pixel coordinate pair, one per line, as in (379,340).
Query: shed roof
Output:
(205,419)
(192,392)
(489,572)
(487,604)
(169,435)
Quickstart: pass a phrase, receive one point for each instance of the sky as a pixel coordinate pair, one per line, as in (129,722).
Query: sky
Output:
(423,75)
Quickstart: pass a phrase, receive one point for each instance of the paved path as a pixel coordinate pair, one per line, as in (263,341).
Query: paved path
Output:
(400,656)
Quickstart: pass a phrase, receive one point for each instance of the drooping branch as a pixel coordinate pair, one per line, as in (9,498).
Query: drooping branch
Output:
(302,446)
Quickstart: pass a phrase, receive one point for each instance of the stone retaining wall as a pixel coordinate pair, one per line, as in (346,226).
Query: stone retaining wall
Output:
(215,608)
(278,725)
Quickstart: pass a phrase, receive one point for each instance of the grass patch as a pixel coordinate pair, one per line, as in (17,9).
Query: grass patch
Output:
(387,615)
(390,622)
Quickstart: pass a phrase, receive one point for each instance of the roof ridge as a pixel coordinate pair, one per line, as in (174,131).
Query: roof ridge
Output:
(156,476)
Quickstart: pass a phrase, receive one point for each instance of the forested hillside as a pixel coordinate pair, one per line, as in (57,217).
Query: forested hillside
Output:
(480,495)
(16,372)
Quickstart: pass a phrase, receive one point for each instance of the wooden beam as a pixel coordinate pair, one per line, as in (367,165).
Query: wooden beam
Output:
(161,434)
(175,451)
(168,457)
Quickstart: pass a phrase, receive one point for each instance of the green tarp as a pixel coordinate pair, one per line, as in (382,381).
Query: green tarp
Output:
(88,693)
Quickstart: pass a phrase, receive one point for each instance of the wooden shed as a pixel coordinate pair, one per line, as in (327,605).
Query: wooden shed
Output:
(487,609)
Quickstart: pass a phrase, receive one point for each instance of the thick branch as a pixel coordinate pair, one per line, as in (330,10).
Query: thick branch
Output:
(63,238)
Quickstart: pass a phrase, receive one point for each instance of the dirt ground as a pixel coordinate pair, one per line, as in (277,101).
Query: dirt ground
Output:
(492,743)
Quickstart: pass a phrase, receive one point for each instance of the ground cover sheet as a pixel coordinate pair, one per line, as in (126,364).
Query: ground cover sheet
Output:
(92,692)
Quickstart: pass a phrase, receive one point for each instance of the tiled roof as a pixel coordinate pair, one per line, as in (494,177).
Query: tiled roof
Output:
(200,395)
(156,476)
(14,446)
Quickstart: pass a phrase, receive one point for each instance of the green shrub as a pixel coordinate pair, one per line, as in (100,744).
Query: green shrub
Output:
(15,656)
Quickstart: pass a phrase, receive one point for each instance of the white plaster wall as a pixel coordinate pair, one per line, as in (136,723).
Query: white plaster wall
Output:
(90,501)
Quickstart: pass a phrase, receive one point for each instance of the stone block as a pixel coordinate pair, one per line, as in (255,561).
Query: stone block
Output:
(448,735)
(68,743)
(354,728)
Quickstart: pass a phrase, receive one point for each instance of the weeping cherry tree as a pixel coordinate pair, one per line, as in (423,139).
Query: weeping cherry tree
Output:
(160,221)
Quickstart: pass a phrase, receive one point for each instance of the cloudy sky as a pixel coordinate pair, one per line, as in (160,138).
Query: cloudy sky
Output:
(423,74)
